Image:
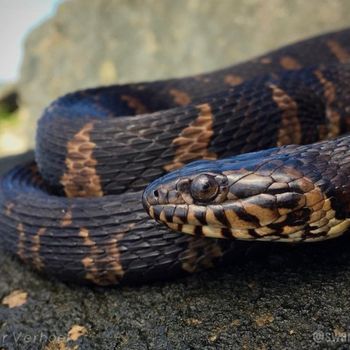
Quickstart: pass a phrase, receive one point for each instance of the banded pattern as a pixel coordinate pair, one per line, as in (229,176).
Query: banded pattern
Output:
(97,240)
(77,213)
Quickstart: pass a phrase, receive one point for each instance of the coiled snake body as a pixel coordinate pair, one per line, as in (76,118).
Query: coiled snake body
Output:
(77,212)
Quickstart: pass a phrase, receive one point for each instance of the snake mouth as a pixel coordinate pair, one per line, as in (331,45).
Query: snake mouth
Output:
(230,220)
(197,221)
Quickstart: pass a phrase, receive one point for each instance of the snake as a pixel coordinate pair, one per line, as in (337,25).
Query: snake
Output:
(255,151)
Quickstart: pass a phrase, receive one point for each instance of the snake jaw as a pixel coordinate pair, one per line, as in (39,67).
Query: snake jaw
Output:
(256,217)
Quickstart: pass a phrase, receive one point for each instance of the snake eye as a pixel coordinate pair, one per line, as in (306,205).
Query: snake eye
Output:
(204,188)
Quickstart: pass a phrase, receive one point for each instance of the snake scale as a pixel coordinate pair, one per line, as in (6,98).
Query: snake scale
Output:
(76,212)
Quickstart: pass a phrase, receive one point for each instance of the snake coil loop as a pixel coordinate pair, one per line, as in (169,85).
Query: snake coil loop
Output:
(77,212)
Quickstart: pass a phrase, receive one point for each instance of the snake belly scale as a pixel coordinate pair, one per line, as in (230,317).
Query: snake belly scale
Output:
(76,212)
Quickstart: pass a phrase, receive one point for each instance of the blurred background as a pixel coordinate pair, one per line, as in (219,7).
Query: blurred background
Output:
(50,47)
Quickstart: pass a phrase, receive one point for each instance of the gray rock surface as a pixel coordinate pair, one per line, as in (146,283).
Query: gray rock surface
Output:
(289,298)
(95,42)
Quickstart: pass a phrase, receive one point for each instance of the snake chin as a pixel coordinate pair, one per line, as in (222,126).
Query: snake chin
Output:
(229,233)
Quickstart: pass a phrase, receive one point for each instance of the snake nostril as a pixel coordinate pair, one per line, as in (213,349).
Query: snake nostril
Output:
(156,193)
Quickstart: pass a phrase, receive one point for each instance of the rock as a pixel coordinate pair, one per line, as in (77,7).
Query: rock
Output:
(108,41)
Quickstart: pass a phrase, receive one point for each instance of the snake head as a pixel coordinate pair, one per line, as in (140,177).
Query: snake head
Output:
(262,196)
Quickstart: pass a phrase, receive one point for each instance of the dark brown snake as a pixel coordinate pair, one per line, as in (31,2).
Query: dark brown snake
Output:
(77,212)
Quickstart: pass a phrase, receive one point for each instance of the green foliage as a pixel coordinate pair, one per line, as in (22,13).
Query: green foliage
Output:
(6,116)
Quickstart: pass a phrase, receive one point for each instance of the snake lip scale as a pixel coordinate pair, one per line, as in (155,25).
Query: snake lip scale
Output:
(253,152)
